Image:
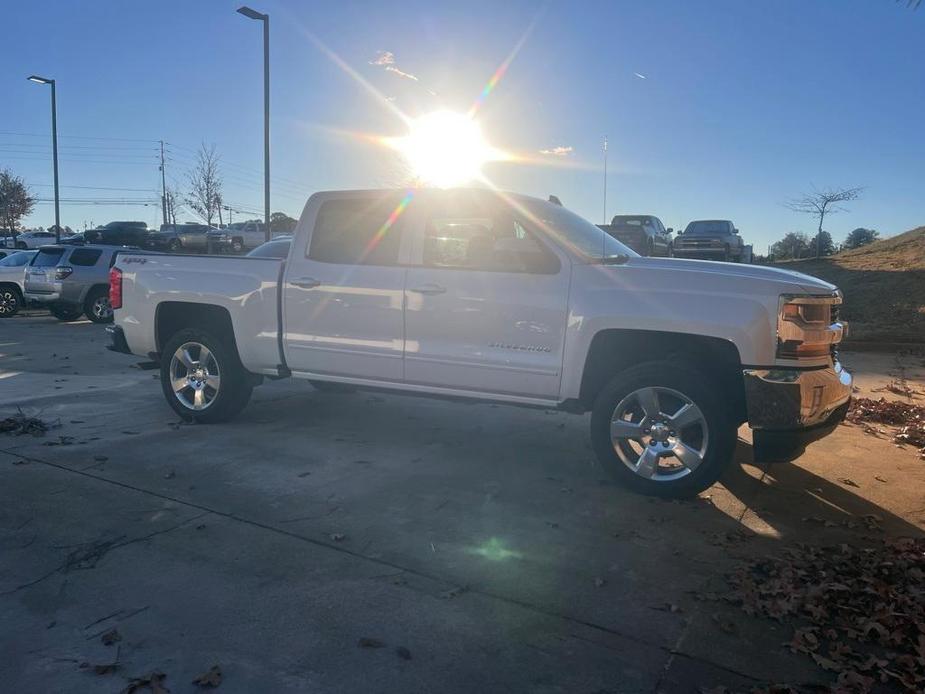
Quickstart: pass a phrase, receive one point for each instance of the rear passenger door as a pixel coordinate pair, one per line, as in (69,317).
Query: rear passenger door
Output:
(343,289)
(486,300)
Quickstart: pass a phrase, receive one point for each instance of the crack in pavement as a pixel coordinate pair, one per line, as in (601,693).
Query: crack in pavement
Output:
(538,609)
(91,553)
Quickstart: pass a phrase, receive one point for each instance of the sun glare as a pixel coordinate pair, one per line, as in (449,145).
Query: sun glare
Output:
(445,149)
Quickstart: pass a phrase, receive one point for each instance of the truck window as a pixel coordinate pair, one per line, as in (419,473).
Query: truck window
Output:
(358,231)
(500,244)
(86,257)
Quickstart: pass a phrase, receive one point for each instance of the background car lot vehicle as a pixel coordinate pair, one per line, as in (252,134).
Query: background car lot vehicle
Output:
(238,237)
(119,234)
(277,247)
(645,234)
(190,237)
(462,293)
(715,239)
(72,280)
(31,239)
(12,276)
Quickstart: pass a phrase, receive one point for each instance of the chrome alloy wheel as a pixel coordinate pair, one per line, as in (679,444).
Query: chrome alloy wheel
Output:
(194,376)
(101,308)
(659,433)
(9,302)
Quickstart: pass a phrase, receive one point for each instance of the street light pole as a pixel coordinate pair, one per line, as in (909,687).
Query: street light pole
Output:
(54,147)
(265,18)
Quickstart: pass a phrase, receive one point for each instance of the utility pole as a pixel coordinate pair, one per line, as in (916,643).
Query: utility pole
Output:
(605,179)
(163,186)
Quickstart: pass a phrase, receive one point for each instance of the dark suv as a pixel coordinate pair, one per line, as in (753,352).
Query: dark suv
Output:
(119,234)
(716,239)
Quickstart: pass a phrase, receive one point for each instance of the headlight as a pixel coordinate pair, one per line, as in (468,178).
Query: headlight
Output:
(808,326)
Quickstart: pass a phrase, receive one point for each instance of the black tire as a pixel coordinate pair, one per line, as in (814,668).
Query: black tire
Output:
(235,386)
(11,301)
(97,307)
(237,245)
(65,312)
(718,439)
(21,246)
(173,246)
(331,387)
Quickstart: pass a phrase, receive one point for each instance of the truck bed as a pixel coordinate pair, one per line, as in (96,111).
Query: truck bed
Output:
(246,288)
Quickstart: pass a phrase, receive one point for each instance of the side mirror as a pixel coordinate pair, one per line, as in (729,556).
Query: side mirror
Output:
(735,231)
(670,230)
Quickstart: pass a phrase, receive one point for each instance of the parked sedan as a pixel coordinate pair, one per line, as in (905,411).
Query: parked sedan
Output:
(277,247)
(12,274)
(30,239)
(644,233)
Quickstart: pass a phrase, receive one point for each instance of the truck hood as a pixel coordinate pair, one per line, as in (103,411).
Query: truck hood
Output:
(797,280)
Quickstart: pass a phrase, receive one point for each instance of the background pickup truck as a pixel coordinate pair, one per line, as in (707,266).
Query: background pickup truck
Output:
(643,233)
(715,239)
(472,294)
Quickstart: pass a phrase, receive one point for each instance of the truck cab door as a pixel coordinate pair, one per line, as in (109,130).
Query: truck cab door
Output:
(343,289)
(486,300)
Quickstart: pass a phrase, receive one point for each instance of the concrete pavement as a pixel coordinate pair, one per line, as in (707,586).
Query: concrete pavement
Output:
(485,540)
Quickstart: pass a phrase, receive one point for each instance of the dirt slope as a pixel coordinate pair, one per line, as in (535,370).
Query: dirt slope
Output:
(883,284)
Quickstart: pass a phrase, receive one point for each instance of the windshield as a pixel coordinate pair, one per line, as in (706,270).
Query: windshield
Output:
(633,221)
(17,259)
(577,233)
(711,227)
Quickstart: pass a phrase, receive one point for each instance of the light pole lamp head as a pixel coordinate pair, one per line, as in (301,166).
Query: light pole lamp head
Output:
(40,80)
(252,14)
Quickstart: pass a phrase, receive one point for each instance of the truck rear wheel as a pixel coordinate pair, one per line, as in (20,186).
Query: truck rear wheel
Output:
(659,429)
(203,378)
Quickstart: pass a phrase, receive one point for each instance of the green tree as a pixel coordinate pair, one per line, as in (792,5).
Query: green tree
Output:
(282,223)
(793,245)
(825,244)
(15,200)
(860,237)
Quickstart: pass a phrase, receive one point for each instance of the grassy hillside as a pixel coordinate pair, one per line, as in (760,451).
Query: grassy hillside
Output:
(883,284)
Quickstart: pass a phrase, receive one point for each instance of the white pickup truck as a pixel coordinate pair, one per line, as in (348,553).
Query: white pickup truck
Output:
(500,297)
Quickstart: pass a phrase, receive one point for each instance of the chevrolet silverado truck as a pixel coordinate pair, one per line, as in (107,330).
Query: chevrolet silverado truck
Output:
(473,294)
(711,239)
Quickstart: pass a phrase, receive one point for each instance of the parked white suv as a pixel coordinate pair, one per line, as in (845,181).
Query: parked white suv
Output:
(472,294)
(31,239)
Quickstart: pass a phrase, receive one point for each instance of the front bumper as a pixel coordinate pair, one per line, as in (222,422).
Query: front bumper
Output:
(789,408)
(699,251)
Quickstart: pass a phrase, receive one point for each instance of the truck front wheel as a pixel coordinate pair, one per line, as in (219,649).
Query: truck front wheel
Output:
(659,429)
(203,378)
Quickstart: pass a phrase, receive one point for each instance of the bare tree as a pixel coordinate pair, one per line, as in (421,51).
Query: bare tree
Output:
(205,196)
(15,201)
(821,203)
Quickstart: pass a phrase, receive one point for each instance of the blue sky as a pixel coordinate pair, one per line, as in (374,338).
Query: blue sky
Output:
(744,104)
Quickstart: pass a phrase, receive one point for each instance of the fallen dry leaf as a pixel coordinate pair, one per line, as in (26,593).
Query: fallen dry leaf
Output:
(848,482)
(111,637)
(153,682)
(366,642)
(210,679)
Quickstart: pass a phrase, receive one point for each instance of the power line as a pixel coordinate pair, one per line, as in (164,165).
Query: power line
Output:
(127,190)
(80,137)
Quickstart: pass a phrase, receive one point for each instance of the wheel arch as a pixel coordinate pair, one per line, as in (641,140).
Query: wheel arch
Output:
(170,317)
(615,350)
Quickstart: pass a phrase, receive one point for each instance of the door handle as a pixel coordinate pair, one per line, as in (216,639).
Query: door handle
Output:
(307,282)
(429,289)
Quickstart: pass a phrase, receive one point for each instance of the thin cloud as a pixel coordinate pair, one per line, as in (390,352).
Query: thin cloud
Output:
(400,73)
(383,58)
(642,77)
(558,151)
